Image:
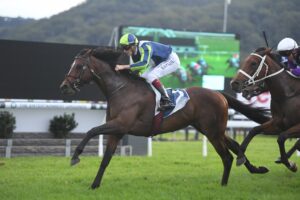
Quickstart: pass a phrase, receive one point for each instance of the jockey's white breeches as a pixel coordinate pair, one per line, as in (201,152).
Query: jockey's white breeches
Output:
(164,68)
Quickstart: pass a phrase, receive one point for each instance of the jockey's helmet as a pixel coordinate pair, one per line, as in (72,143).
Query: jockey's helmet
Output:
(287,44)
(128,39)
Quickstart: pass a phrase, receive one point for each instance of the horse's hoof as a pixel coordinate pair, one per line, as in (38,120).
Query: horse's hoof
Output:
(240,161)
(74,161)
(293,167)
(94,186)
(263,170)
(278,161)
(259,170)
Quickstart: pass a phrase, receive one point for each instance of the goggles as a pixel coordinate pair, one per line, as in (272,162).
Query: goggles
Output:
(126,47)
(285,53)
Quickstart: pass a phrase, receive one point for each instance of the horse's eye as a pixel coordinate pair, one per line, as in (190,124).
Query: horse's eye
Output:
(79,66)
(253,64)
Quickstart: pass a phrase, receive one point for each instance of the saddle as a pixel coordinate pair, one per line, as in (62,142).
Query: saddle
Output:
(178,96)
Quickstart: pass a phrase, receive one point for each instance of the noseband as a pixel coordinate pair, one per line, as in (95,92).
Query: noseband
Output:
(87,65)
(78,80)
(251,79)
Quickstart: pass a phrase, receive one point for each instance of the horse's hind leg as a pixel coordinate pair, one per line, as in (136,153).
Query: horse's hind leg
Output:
(225,155)
(235,148)
(218,142)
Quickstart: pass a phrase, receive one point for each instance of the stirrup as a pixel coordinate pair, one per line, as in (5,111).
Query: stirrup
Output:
(166,106)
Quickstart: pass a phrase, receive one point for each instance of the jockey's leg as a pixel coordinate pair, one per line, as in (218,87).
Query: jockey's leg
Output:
(167,67)
(165,102)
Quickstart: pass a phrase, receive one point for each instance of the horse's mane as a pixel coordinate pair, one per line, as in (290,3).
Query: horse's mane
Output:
(260,50)
(109,55)
(114,56)
(274,55)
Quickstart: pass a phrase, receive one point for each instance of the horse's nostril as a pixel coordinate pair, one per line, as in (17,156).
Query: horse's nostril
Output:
(246,92)
(235,86)
(64,88)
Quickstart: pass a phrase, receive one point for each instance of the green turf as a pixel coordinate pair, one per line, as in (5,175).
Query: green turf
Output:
(176,170)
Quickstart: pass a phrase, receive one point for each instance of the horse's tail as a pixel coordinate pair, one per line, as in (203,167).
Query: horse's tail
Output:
(257,114)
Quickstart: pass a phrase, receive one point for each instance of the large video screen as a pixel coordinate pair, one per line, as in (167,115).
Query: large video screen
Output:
(207,59)
(35,70)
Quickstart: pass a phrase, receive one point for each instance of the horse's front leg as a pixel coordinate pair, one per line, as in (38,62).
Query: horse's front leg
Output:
(293,149)
(290,152)
(241,154)
(109,128)
(290,133)
(266,128)
(112,143)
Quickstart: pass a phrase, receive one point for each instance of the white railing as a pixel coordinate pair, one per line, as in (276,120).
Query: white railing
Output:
(36,104)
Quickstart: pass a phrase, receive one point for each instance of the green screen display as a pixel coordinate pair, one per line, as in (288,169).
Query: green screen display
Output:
(201,54)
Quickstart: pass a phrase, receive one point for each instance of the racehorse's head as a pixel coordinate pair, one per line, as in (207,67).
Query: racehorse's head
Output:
(250,79)
(79,73)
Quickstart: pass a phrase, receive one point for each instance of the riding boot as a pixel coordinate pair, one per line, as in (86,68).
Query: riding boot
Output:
(165,101)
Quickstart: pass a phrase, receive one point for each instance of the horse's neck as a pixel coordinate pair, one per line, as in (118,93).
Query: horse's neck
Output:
(108,80)
(101,85)
(282,86)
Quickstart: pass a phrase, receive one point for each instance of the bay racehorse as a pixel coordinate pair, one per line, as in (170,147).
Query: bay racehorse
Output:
(262,71)
(131,107)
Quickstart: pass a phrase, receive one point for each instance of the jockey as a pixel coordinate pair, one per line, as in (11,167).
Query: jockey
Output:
(202,62)
(153,60)
(196,67)
(290,55)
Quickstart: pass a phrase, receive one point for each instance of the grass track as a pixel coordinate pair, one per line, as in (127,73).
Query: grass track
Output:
(177,170)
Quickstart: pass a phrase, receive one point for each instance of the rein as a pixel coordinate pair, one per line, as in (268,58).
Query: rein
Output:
(78,80)
(113,92)
(262,63)
(291,74)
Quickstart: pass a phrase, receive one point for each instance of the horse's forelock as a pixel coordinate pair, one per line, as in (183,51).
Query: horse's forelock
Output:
(82,52)
(260,49)
(263,50)
(106,53)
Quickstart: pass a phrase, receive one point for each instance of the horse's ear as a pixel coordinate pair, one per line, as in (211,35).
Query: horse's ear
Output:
(89,51)
(268,50)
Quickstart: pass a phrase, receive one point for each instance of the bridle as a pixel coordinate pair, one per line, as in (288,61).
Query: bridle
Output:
(78,80)
(251,79)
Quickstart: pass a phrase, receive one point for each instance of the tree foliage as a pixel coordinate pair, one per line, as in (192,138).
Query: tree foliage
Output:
(61,125)
(7,124)
(93,21)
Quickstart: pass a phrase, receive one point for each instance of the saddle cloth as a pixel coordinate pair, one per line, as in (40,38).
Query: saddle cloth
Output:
(178,96)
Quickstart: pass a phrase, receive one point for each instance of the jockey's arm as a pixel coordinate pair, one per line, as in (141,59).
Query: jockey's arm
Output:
(298,56)
(121,67)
